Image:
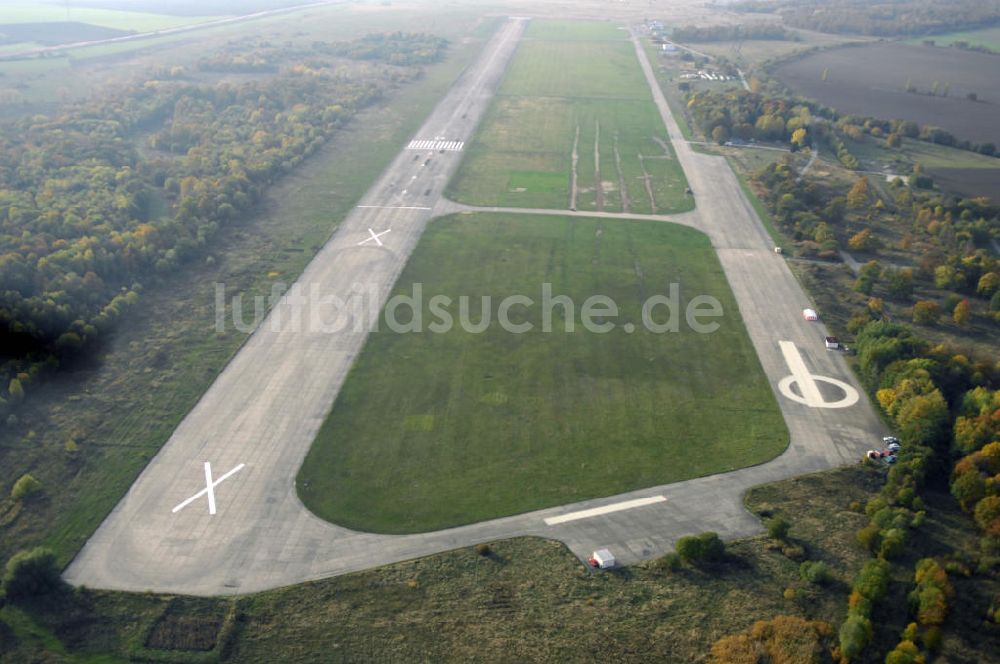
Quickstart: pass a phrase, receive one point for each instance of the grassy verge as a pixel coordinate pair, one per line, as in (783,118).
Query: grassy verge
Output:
(528,600)
(573,83)
(469,426)
(119,409)
(765,216)
(674,97)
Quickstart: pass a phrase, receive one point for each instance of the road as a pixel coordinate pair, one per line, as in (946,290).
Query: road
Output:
(267,405)
(164,32)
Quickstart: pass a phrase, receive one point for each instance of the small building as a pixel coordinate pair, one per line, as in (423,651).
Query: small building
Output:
(602,559)
(809,314)
(832,343)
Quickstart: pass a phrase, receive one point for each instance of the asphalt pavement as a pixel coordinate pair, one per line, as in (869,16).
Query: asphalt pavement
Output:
(257,421)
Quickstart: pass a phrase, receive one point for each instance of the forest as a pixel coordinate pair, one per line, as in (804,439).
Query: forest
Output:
(99,200)
(713,33)
(395,48)
(944,404)
(883,19)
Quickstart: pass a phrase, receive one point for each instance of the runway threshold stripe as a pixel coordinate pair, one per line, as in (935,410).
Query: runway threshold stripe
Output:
(451,146)
(606,509)
(393,207)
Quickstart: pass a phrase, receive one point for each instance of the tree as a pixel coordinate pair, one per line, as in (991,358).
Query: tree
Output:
(31,573)
(770,127)
(931,592)
(704,547)
(816,572)
(961,313)
(926,312)
(949,277)
(905,652)
(899,282)
(854,635)
(893,543)
(987,514)
(988,284)
(778,527)
(15,390)
(864,240)
(720,134)
(968,488)
(24,487)
(781,639)
(924,420)
(868,277)
(799,137)
(860,193)
(894,140)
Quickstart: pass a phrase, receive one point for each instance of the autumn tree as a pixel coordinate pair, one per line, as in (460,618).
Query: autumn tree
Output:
(25,487)
(987,515)
(905,652)
(720,134)
(799,137)
(15,390)
(781,639)
(924,420)
(988,284)
(961,313)
(860,194)
(865,240)
(926,312)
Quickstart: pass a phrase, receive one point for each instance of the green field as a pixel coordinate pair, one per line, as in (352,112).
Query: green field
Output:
(570,77)
(467,426)
(875,154)
(575,31)
(24,11)
(987,38)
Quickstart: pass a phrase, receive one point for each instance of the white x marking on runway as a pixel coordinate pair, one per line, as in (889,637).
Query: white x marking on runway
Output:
(210,485)
(374,236)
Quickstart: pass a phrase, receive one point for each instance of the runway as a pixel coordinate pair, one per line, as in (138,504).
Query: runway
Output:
(257,421)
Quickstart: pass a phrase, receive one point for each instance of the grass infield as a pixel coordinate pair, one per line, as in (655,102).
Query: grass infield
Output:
(573,84)
(436,430)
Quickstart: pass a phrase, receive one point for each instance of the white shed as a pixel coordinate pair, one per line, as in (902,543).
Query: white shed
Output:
(603,559)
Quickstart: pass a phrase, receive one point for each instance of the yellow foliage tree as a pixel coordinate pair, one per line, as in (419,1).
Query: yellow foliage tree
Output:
(781,640)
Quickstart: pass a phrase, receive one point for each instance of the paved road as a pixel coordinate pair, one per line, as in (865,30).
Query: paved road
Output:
(266,406)
(41,50)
